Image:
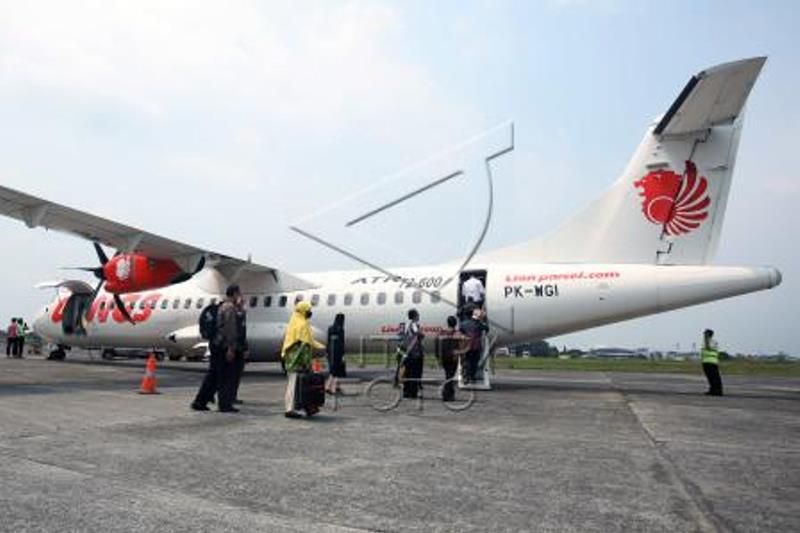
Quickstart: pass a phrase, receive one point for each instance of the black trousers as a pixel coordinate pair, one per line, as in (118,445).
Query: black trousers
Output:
(10,347)
(20,347)
(220,379)
(227,383)
(714,379)
(211,381)
(450,365)
(472,357)
(413,375)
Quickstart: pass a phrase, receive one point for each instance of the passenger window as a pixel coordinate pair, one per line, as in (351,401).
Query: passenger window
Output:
(164,303)
(331,299)
(102,305)
(199,303)
(188,303)
(253,301)
(267,301)
(381,298)
(176,303)
(436,297)
(364,298)
(398,297)
(298,298)
(153,304)
(315,300)
(416,297)
(348,299)
(213,301)
(282,301)
(132,305)
(112,305)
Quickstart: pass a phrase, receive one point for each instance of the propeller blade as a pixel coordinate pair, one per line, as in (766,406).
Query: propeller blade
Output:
(123,309)
(96,291)
(91,301)
(180,278)
(97,271)
(185,276)
(101,255)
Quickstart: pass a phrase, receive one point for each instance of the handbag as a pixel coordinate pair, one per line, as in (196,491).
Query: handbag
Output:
(298,357)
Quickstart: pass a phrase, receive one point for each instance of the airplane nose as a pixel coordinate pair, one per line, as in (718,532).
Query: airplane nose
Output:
(39,322)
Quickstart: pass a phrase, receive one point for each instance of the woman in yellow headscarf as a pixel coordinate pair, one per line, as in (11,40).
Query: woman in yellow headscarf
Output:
(297,352)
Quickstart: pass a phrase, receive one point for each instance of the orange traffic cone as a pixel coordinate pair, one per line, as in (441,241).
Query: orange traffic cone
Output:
(149,378)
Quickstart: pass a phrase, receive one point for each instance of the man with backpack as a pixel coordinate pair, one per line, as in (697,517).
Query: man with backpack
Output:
(220,327)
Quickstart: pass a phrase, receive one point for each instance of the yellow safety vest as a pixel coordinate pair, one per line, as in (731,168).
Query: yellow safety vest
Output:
(709,353)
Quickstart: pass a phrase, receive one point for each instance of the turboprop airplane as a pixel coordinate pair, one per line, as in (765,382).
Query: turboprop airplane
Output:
(642,248)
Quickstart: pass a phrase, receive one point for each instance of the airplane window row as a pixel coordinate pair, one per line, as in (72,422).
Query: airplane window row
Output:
(348,298)
(152,304)
(281,301)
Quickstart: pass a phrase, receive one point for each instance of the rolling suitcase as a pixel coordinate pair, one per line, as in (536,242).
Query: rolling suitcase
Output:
(310,392)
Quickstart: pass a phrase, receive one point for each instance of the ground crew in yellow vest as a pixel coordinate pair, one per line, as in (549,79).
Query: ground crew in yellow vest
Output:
(709,355)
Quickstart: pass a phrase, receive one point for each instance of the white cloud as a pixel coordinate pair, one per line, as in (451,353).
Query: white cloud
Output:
(783,186)
(321,62)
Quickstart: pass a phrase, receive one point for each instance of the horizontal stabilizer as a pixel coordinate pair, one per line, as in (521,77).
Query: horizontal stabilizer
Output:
(712,97)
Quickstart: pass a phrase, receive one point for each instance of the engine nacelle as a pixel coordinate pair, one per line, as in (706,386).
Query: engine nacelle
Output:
(126,273)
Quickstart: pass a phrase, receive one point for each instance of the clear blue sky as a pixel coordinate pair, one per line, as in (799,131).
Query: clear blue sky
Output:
(161,114)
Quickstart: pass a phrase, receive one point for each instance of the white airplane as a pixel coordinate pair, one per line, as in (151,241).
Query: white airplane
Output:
(642,248)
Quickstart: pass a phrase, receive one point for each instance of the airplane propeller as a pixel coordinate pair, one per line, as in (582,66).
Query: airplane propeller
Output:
(99,273)
(186,276)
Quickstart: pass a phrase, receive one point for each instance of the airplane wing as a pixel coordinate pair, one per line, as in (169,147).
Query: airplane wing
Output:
(713,96)
(40,213)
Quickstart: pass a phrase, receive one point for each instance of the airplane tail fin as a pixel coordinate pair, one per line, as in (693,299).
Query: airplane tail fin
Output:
(668,205)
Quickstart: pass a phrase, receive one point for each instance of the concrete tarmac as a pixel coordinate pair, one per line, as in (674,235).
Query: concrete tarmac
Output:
(544,451)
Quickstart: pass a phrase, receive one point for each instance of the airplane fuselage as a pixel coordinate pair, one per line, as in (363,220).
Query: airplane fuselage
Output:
(523,301)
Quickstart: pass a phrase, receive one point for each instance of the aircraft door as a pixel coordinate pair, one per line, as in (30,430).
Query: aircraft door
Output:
(74,310)
(471,289)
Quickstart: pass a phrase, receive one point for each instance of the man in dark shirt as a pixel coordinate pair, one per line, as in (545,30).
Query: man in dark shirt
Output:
(221,376)
(449,343)
(241,347)
(473,327)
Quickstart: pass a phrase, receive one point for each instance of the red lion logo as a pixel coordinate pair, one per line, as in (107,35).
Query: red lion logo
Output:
(678,202)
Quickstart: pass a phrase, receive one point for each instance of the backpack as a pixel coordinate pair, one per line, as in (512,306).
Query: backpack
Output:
(208,322)
(411,341)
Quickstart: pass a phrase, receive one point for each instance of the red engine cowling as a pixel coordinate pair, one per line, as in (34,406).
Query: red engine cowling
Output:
(126,273)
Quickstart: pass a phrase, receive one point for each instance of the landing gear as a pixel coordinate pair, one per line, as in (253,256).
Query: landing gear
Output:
(59,353)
